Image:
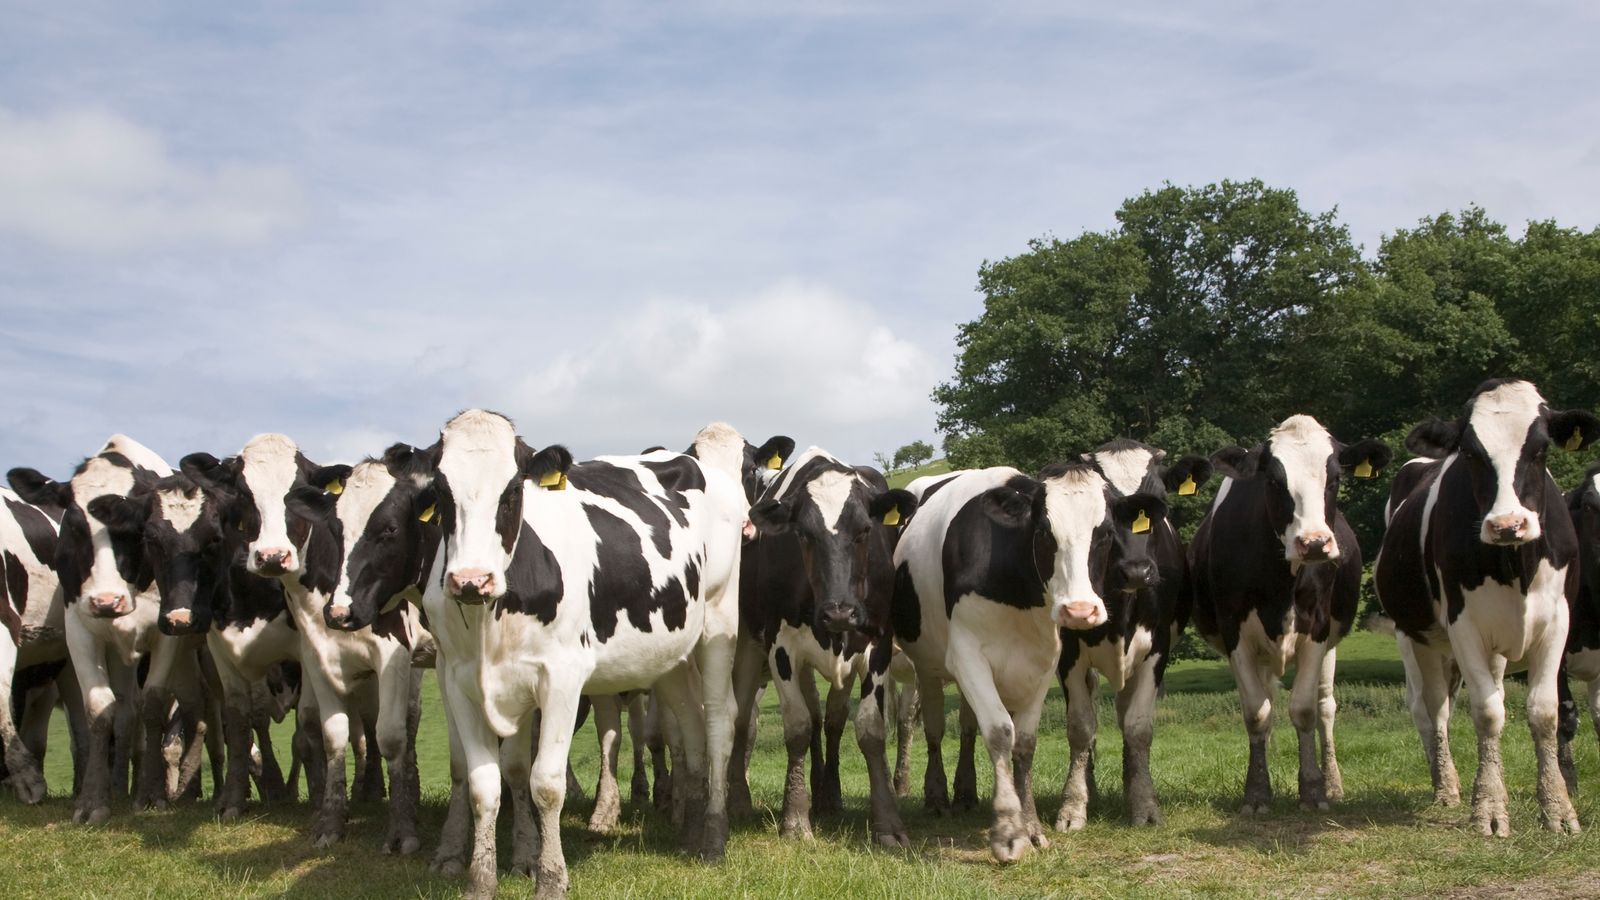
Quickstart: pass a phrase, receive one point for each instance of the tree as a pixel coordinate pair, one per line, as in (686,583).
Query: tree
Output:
(885,464)
(913,454)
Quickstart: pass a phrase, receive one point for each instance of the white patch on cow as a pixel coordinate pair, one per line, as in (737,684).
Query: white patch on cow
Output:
(1125,469)
(1222,493)
(720,446)
(1389,506)
(1595,481)
(366,487)
(101,478)
(806,654)
(1256,645)
(478,459)
(784,483)
(1074,504)
(181,510)
(1302,446)
(269,467)
(1501,418)
(830,491)
(1117,658)
(137,453)
(1508,623)
(921,484)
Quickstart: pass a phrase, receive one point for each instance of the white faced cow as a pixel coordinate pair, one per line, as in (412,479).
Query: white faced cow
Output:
(1277,576)
(1478,570)
(989,570)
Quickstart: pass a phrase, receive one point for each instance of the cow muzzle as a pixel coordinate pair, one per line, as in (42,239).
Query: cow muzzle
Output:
(1080,615)
(273,561)
(1138,575)
(110,605)
(1509,530)
(1315,546)
(179,621)
(342,618)
(840,618)
(471,585)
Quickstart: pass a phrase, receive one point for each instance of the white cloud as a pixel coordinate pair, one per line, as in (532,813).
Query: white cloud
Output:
(91,180)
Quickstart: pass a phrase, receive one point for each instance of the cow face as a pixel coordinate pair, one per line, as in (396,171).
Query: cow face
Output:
(1584,504)
(1502,438)
(721,446)
(1300,465)
(1132,468)
(179,530)
(258,482)
(480,471)
(95,559)
(1064,516)
(837,516)
(388,523)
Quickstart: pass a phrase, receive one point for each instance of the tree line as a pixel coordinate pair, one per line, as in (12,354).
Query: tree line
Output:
(1209,314)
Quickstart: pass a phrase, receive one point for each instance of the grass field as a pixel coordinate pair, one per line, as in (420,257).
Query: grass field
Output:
(1385,839)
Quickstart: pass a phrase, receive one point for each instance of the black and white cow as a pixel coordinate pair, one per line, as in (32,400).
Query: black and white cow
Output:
(815,596)
(1583,631)
(988,571)
(1146,592)
(1478,570)
(111,607)
(281,502)
(33,645)
(1277,575)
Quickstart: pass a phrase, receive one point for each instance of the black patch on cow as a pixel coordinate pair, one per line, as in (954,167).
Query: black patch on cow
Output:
(621,580)
(677,475)
(15,584)
(780,661)
(935,488)
(622,486)
(37,529)
(324,554)
(533,580)
(994,560)
(392,624)
(36,676)
(905,612)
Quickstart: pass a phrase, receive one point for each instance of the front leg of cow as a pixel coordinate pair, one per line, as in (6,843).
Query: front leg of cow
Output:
(1303,712)
(797,735)
(1485,674)
(935,786)
(1136,716)
(1327,708)
(749,669)
(559,705)
(100,706)
(1009,837)
(681,695)
(607,797)
(639,789)
(1555,804)
(155,707)
(396,730)
(516,769)
(1081,726)
(657,740)
(22,765)
(236,735)
(829,794)
(1256,687)
(872,726)
(453,852)
(1566,730)
(965,785)
(907,710)
(328,829)
(1429,686)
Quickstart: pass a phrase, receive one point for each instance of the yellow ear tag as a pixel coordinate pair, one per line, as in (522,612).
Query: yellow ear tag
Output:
(1574,443)
(553,481)
(775,463)
(892,517)
(1188,487)
(335,487)
(1141,523)
(427,514)
(1363,469)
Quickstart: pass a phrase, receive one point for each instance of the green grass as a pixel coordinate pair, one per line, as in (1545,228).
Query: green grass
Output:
(1386,838)
(904,477)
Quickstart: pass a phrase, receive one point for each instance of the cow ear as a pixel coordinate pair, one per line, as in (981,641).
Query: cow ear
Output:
(775,452)
(548,468)
(1434,439)
(1187,475)
(35,488)
(398,457)
(1138,512)
(214,476)
(310,501)
(425,505)
(329,479)
(771,516)
(1573,429)
(1236,462)
(892,507)
(1365,458)
(122,515)
(1011,504)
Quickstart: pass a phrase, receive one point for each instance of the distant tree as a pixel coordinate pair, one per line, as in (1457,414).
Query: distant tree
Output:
(913,454)
(884,463)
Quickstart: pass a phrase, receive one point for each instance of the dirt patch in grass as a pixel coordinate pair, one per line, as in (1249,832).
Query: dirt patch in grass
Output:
(1582,884)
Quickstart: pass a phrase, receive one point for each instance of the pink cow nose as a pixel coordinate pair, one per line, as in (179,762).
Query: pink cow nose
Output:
(179,618)
(471,583)
(273,560)
(1080,614)
(1314,546)
(108,605)
(1508,529)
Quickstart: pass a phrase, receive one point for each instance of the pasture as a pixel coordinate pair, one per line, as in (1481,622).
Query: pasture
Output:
(1386,838)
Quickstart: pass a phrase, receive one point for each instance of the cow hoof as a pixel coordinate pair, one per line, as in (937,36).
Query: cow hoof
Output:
(1567,823)
(795,831)
(524,868)
(325,840)
(1255,808)
(1309,805)
(963,803)
(1492,823)
(1009,849)
(894,840)
(1151,816)
(230,813)
(453,866)
(1071,820)
(402,846)
(95,816)
(30,787)
(1447,798)
(1039,840)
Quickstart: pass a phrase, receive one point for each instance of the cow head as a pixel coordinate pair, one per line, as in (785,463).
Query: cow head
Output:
(387,519)
(1132,468)
(480,470)
(97,558)
(1140,481)
(1300,465)
(257,484)
(840,515)
(1066,516)
(179,530)
(720,446)
(1502,438)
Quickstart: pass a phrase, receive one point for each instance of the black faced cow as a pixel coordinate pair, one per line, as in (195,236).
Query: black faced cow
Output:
(1277,577)
(989,570)
(815,596)
(1478,571)
(1583,634)
(1146,595)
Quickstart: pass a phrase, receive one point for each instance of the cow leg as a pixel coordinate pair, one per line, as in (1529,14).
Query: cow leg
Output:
(481,756)
(906,707)
(369,762)
(452,854)
(1008,838)
(798,729)
(639,790)
(655,730)
(516,768)
(328,828)
(608,728)
(1485,673)
(681,694)
(1303,712)
(1566,729)
(965,786)
(935,787)
(27,780)
(125,729)
(829,795)
(396,733)
(270,782)
(34,724)
(308,746)
(1544,663)
(1081,726)
(236,728)
(77,723)
(559,710)
(1594,704)
(871,733)
(807,682)
(1256,688)
(95,680)
(1027,724)
(1429,686)
(1327,707)
(748,673)
(156,702)
(1136,716)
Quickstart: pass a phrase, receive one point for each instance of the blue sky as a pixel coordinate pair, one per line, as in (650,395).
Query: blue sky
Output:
(617,222)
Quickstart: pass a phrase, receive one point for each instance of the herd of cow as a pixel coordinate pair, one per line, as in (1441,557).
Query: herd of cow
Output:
(174,614)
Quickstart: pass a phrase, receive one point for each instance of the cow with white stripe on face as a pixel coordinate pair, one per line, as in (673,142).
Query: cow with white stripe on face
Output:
(1479,569)
(1277,577)
(988,571)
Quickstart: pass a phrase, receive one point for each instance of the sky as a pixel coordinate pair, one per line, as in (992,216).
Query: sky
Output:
(618,222)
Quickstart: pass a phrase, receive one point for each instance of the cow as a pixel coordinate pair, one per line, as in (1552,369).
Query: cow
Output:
(1583,632)
(189,527)
(1146,592)
(554,579)
(1479,569)
(33,647)
(988,571)
(108,589)
(815,595)
(280,500)
(1277,575)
